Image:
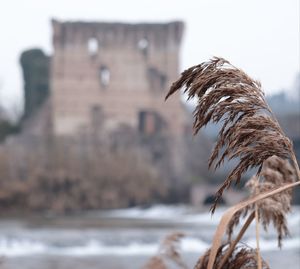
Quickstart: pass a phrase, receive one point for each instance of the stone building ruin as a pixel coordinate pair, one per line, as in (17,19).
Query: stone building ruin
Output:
(108,74)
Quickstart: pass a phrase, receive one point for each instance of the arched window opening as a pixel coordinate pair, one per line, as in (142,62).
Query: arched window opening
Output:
(150,122)
(143,46)
(104,76)
(157,79)
(92,46)
(97,117)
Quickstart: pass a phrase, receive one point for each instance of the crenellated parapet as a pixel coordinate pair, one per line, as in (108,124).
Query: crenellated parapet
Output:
(159,35)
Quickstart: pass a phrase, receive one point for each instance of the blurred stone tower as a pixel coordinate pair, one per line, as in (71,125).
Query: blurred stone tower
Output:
(115,73)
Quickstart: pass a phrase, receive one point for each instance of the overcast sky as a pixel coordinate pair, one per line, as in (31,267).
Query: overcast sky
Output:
(260,36)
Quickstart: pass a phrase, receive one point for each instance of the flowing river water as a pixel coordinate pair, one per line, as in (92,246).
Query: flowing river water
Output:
(126,238)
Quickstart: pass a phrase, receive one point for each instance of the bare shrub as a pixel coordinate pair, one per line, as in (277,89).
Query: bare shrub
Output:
(74,175)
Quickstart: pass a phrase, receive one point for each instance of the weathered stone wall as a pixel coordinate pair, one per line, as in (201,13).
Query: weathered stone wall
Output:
(117,70)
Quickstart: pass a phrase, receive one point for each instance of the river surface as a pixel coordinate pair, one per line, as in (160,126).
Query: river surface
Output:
(125,239)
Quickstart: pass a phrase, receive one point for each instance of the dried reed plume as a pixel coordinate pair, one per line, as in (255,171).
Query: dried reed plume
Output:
(275,173)
(156,262)
(242,258)
(249,131)
(168,250)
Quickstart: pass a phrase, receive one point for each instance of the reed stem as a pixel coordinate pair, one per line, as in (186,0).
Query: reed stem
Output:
(294,159)
(236,240)
(257,237)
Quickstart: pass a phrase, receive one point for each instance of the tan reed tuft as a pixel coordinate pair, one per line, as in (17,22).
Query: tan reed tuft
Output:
(243,257)
(249,133)
(169,250)
(275,173)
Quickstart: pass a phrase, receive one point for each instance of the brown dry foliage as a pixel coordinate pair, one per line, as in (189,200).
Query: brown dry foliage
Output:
(249,131)
(275,173)
(168,250)
(74,175)
(156,262)
(242,258)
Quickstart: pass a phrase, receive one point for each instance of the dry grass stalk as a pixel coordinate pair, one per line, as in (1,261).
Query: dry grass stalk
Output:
(259,263)
(236,240)
(242,258)
(249,131)
(156,262)
(275,173)
(168,250)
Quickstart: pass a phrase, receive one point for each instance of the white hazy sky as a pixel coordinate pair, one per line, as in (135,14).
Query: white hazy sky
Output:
(260,36)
